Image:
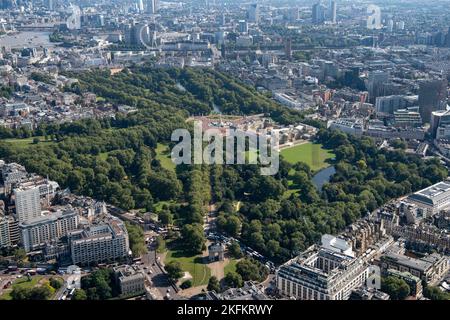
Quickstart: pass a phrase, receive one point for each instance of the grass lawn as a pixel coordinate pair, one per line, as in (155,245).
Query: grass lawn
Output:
(22,282)
(312,154)
(230,267)
(163,155)
(26,142)
(193,264)
(159,205)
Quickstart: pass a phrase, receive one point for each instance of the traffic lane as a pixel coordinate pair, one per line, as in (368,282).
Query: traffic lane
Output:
(158,278)
(161,281)
(61,291)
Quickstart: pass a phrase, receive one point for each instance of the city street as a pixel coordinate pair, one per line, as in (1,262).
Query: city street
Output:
(157,278)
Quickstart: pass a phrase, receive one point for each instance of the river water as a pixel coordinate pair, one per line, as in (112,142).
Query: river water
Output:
(26,39)
(322,177)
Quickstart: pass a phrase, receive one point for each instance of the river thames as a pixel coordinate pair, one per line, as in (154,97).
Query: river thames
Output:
(26,39)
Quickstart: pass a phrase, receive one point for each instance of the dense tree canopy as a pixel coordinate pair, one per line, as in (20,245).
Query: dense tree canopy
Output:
(397,288)
(115,160)
(213,284)
(233,280)
(136,239)
(174,270)
(43,292)
(99,285)
(193,237)
(434,293)
(279,224)
(251,269)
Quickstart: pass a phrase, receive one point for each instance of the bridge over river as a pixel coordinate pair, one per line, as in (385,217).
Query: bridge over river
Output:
(36,28)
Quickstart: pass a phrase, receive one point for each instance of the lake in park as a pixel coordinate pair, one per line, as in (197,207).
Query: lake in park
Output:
(322,177)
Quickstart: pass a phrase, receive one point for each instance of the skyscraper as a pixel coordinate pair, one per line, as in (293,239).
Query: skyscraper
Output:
(440,121)
(128,34)
(101,20)
(253,13)
(151,6)
(7,4)
(432,95)
(140,5)
(332,11)
(288,48)
(4,232)
(243,26)
(28,203)
(376,85)
(49,4)
(318,13)
(447,39)
(391,25)
(222,19)
(293,14)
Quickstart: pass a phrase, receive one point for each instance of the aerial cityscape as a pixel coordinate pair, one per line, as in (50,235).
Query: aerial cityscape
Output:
(224,150)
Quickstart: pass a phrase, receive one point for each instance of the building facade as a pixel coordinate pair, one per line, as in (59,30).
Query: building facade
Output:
(35,233)
(325,273)
(130,281)
(28,203)
(433,199)
(253,13)
(97,243)
(430,268)
(432,95)
(5,240)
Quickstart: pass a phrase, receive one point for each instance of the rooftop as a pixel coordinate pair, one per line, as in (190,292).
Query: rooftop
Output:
(47,218)
(419,264)
(433,193)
